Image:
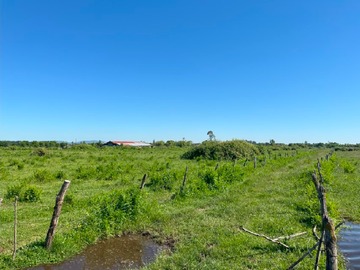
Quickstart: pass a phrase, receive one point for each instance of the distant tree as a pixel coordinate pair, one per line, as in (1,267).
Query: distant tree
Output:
(211,135)
(183,143)
(63,144)
(158,143)
(272,142)
(170,143)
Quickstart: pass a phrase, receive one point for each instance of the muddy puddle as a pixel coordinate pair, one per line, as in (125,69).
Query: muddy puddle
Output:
(349,245)
(125,252)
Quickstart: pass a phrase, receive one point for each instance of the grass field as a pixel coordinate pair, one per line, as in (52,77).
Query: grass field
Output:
(201,221)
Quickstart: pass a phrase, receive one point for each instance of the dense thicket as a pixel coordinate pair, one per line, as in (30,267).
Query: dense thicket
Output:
(227,150)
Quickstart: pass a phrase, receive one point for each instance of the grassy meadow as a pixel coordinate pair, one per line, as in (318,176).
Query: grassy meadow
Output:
(201,221)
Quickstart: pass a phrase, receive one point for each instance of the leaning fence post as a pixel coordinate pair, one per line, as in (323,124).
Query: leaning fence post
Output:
(56,214)
(245,162)
(328,227)
(15,227)
(143,181)
(184,179)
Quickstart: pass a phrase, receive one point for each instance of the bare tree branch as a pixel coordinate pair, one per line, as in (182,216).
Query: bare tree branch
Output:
(315,234)
(341,223)
(303,256)
(264,236)
(289,236)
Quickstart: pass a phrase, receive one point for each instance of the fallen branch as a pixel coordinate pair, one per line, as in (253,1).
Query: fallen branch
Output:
(289,236)
(341,223)
(315,234)
(264,236)
(303,256)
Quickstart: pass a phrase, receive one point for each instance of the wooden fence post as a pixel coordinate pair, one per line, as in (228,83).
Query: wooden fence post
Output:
(330,244)
(184,179)
(143,181)
(327,226)
(254,162)
(56,214)
(15,227)
(245,162)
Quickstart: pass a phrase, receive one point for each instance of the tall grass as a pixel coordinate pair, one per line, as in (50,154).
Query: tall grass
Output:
(202,218)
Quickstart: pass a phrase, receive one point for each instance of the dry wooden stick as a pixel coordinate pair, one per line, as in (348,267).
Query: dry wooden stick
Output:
(341,223)
(303,256)
(143,181)
(289,236)
(264,236)
(318,252)
(184,179)
(315,234)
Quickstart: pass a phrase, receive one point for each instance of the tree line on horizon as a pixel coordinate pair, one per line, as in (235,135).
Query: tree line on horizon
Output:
(184,143)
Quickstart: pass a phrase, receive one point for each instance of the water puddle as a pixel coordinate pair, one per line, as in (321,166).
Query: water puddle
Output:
(125,252)
(349,245)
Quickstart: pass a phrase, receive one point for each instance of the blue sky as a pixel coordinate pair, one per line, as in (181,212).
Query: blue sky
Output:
(168,70)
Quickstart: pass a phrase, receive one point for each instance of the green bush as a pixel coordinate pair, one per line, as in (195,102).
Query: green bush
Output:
(228,150)
(39,152)
(60,175)
(228,173)
(42,175)
(13,191)
(31,194)
(112,211)
(24,193)
(347,166)
(209,177)
(161,180)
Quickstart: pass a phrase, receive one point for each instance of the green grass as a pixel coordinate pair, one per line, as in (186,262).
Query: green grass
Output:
(203,220)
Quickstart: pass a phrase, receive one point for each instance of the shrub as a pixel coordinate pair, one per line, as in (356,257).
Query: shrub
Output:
(60,175)
(209,177)
(31,194)
(24,193)
(42,175)
(13,191)
(228,150)
(39,152)
(112,211)
(162,180)
(347,166)
(229,173)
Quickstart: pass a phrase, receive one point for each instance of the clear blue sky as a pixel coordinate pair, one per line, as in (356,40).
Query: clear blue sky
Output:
(168,70)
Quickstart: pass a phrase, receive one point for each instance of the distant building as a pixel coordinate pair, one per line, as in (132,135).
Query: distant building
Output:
(127,143)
